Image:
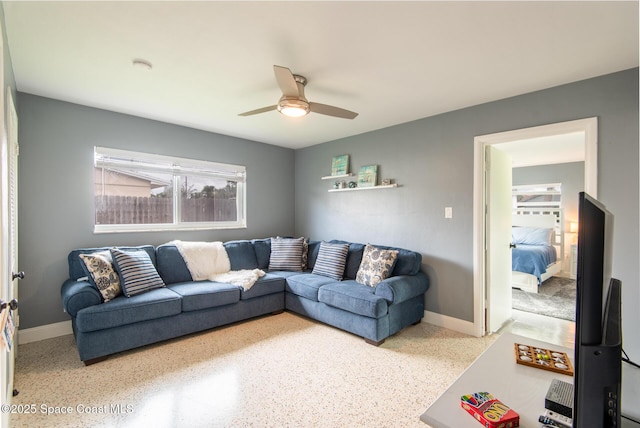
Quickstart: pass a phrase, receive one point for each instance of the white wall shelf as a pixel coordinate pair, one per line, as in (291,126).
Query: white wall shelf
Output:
(389,186)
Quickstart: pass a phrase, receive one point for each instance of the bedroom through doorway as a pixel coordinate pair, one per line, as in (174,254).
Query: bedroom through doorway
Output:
(548,158)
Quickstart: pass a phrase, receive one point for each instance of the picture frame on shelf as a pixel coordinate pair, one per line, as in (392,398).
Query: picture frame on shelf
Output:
(368,176)
(340,165)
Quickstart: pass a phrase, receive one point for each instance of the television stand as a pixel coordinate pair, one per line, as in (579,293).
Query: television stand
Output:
(520,387)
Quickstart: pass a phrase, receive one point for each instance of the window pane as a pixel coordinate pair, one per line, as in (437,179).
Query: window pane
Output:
(149,192)
(132,197)
(207,199)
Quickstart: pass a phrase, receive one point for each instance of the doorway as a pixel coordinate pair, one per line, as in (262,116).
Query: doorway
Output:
(482,281)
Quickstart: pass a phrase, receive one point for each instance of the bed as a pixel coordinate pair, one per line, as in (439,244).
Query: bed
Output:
(535,256)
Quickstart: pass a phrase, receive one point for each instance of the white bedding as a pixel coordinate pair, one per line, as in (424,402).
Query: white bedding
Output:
(529,283)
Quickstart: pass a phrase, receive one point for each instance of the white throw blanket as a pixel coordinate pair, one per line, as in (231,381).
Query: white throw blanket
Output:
(210,261)
(243,278)
(204,259)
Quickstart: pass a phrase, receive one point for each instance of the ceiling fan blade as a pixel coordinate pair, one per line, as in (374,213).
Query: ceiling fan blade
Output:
(332,111)
(286,81)
(258,111)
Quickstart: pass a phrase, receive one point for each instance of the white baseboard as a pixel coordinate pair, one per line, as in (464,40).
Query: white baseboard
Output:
(63,328)
(451,323)
(43,332)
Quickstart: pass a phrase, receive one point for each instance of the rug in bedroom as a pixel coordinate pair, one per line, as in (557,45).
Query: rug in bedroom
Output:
(556,298)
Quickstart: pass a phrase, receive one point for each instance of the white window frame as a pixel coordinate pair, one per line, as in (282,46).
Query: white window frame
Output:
(125,159)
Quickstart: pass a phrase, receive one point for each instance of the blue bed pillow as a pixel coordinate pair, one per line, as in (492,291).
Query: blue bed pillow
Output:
(531,235)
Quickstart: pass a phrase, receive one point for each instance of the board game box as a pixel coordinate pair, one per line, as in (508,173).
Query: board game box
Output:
(489,411)
(542,358)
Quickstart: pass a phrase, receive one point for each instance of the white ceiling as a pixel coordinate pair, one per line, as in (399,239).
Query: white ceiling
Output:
(562,148)
(393,62)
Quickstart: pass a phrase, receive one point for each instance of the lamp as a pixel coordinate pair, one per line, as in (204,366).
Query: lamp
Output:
(571,236)
(293,107)
(573,227)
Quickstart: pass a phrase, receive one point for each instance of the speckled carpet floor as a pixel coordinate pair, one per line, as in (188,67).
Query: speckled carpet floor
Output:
(277,371)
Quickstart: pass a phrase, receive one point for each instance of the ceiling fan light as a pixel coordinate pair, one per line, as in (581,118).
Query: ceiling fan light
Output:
(293,108)
(293,111)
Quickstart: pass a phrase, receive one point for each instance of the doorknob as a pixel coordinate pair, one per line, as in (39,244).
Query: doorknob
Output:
(19,275)
(13,305)
(511,245)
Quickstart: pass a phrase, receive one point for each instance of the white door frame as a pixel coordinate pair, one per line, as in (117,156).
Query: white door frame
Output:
(590,128)
(5,256)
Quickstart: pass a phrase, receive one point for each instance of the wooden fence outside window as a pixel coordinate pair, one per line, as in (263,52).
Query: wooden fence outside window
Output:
(145,210)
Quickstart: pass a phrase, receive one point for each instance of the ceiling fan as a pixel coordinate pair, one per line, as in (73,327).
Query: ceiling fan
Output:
(293,103)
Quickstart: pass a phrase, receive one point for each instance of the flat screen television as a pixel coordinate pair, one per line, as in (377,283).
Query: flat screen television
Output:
(598,340)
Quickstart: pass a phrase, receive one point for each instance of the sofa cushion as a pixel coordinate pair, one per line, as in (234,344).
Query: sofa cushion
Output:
(158,303)
(312,253)
(353,297)
(102,274)
(331,260)
(408,262)
(286,254)
(241,255)
(354,257)
(198,295)
(268,284)
(376,265)
(307,285)
(170,264)
(137,272)
(75,264)
(262,248)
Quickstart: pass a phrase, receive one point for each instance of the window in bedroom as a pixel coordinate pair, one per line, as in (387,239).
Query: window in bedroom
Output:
(144,192)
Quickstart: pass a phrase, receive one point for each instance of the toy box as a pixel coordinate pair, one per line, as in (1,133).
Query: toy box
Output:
(489,411)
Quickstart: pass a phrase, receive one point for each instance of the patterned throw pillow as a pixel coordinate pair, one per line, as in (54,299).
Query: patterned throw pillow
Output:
(305,253)
(286,254)
(331,261)
(376,265)
(101,273)
(137,272)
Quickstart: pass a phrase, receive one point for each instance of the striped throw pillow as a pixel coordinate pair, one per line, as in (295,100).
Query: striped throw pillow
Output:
(286,254)
(136,270)
(331,261)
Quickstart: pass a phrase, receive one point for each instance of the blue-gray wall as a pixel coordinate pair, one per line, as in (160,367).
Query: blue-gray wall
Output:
(56,189)
(432,160)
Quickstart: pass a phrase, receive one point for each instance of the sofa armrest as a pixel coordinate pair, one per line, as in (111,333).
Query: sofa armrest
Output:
(78,295)
(402,287)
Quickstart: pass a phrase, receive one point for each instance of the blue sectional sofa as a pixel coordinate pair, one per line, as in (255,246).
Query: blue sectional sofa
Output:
(185,306)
